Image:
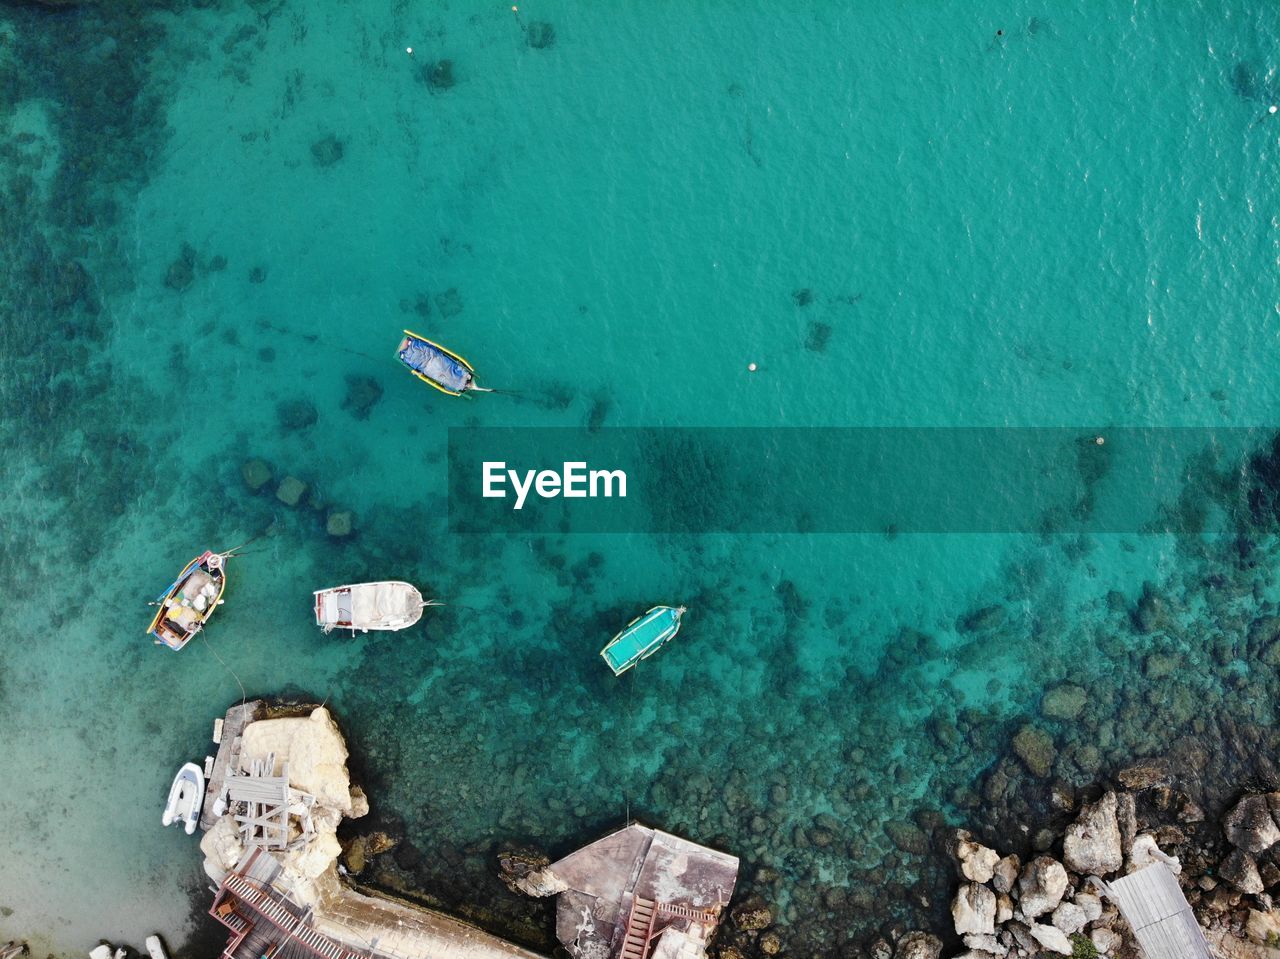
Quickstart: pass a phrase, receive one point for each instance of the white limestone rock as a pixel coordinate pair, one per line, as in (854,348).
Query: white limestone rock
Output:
(1051,938)
(1090,904)
(315,751)
(974,910)
(1069,917)
(983,943)
(1092,845)
(1041,886)
(1104,939)
(1004,908)
(222,848)
(977,862)
(1263,927)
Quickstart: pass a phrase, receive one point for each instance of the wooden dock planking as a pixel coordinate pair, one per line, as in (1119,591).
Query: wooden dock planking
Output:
(1155,907)
(237,718)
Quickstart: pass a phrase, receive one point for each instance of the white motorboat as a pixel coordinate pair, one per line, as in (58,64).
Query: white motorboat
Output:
(389,605)
(186,796)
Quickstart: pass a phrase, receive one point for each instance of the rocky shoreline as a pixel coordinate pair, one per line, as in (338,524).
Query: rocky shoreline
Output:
(1049,903)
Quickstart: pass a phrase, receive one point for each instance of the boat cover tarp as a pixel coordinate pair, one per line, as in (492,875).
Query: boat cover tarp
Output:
(384,604)
(435,365)
(651,630)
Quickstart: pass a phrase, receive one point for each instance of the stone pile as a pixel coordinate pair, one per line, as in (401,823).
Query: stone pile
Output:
(1008,908)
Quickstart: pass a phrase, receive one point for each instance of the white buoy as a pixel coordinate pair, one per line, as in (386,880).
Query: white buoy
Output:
(751,367)
(409,50)
(1273,108)
(1098,440)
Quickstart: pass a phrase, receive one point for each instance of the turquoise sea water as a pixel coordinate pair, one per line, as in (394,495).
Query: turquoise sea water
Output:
(903,217)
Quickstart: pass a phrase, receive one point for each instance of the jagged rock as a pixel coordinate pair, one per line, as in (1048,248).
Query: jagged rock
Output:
(1146,851)
(528,873)
(1004,908)
(1041,886)
(1249,825)
(989,944)
(1006,873)
(1263,927)
(290,490)
(1035,748)
(1127,820)
(771,943)
(1105,940)
(256,473)
(1090,904)
(1065,701)
(979,954)
(974,910)
(977,862)
(880,949)
(918,945)
(340,523)
(753,914)
(1144,775)
(1092,845)
(1241,870)
(1069,917)
(1051,938)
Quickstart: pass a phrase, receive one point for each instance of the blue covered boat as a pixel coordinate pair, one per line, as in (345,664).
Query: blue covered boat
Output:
(642,637)
(433,364)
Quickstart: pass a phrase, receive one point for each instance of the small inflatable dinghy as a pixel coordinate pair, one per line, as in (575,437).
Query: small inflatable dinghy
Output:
(186,796)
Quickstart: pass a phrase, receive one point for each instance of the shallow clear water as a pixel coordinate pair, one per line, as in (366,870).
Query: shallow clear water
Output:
(904,218)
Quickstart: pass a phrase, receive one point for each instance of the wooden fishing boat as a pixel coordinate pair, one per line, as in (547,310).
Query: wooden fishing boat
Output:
(433,364)
(389,605)
(186,796)
(190,600)
(642,637)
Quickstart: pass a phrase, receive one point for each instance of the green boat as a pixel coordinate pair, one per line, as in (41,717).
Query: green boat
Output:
(643,637)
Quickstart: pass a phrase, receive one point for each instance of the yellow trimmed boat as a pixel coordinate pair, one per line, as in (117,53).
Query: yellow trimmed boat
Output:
(436,366)
(190,600)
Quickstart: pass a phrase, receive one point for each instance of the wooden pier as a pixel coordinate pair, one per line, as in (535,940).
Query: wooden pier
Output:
(227,759)
(1153,904)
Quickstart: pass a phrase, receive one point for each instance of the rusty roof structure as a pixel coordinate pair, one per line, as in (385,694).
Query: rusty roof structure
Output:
(640,893)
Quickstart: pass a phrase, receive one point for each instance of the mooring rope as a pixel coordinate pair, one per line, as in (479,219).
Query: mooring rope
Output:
(244,696)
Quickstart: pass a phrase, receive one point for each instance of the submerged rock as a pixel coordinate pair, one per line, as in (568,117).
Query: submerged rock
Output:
(1036,750)
(327,151)
(1092,845)
(256,474)
(439,76)
(363,394)
(340,524)
(290,490)
(296,414)
(1065,701)
(182,271)
(540,35)
(918,945)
